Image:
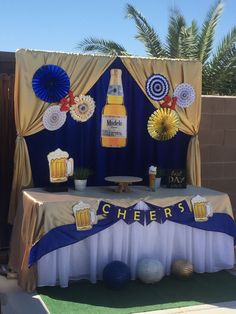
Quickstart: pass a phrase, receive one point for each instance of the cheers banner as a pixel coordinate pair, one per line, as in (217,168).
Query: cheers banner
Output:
(179,211)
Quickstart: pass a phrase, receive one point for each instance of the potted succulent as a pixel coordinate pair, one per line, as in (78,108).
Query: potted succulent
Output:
(81,175)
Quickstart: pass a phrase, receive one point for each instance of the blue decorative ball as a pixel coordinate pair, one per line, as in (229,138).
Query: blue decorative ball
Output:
(150,270)
(116,274)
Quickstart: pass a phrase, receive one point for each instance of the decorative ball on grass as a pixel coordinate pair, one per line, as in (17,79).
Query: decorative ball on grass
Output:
(116,275)
(182,269)
(150,270)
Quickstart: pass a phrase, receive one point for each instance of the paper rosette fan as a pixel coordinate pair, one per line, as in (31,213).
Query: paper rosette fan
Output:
(50,83)
(157,87)
(53,118)
(83,108)
(163,124)
(185,95)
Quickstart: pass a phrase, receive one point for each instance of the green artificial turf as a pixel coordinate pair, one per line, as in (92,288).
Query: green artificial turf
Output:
(171,292)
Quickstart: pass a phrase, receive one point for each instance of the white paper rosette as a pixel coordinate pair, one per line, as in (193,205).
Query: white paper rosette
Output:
(157,87)
(185,95)
(83,108)
(53,118)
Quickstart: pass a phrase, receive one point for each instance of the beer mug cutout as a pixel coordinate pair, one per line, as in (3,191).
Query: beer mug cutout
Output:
(85,216)
(60,167)
(201,208)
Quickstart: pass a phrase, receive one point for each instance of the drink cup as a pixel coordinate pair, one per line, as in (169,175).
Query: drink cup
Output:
(152,180)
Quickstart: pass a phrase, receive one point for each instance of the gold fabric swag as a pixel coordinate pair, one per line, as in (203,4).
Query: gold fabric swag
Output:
(84,71)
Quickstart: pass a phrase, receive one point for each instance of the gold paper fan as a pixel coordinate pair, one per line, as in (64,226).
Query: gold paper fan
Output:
(83,108)
(163,124)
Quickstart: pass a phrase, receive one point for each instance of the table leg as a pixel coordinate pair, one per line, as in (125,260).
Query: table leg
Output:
(123,187)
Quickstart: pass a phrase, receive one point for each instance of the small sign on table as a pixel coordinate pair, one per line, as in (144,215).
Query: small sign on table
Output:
(176,178)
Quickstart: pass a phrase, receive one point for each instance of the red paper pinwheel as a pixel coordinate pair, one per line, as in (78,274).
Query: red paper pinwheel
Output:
(67,102)
(169,102)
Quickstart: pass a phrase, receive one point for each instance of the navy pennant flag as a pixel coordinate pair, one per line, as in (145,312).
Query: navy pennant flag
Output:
(181,212)
(104,208)
(137,215)
(177,212)
(155,213)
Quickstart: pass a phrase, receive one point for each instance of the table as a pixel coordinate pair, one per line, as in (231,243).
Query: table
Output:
(39,212)
(123,182)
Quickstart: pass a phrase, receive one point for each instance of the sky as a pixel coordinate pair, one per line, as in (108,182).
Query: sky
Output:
(59,25)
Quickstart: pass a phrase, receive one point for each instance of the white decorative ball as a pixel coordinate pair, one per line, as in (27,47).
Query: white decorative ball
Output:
(150,270)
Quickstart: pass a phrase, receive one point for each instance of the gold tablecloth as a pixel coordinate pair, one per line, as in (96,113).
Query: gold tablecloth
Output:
(39,211)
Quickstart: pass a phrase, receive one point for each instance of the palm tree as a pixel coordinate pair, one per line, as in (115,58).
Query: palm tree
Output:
(183,41)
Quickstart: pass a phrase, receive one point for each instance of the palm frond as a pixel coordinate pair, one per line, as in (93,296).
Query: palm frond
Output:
(224,50)
(224,85)
(183,41)
(220,73)
(205,40)
(176,24)
(145,33)
(188,41)
(96,45)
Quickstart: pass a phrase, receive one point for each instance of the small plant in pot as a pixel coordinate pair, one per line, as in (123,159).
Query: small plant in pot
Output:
(81,175)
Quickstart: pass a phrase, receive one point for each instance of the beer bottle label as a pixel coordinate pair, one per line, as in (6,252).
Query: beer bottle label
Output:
(114,126)
(115,90)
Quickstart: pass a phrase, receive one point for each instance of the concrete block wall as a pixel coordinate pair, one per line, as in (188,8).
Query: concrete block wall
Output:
(217,138)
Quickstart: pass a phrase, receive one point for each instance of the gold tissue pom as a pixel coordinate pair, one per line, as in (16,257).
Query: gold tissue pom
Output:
(182,269)
(163,124)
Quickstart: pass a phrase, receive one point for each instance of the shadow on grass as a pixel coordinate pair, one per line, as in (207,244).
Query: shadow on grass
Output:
(168,293)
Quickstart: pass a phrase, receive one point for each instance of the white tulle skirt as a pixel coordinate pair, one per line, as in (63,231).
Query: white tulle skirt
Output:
(208,251)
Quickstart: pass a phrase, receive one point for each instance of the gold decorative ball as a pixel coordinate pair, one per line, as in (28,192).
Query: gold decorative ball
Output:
(182,269)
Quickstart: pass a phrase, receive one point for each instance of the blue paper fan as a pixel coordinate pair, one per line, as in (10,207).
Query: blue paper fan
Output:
(157,86)
(50,83)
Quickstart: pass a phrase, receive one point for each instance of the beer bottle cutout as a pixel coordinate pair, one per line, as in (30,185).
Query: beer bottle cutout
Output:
(114,115)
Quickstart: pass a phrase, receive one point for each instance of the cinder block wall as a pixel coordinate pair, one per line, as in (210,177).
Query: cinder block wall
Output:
(217,138)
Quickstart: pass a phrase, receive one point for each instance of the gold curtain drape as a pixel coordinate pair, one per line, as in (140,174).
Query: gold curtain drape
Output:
(176,71)
(83,71)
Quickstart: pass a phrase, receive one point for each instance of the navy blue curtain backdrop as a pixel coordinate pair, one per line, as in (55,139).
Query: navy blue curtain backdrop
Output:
(82,140)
